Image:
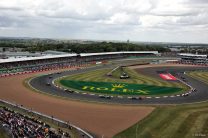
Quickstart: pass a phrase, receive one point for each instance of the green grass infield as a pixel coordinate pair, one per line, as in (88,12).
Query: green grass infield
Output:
(118,88)
(99,82)
(200,75)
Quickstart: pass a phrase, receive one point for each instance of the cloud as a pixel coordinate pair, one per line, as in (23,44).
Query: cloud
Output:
(117,19)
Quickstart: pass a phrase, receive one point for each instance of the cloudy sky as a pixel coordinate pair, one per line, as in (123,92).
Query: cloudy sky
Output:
(137,20)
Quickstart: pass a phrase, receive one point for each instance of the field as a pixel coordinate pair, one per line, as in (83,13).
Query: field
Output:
(180,121)
(3,134)
(138,84)
(202,76)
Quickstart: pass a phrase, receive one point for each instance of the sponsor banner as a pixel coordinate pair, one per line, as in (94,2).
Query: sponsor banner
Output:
(118,88)
(167,76)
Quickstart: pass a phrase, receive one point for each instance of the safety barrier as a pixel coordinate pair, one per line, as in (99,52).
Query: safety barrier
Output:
(67,124)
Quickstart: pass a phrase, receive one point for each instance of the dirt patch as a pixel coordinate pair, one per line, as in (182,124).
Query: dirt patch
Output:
(100,119)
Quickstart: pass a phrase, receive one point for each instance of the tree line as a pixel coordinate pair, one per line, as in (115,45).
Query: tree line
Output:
(36,45)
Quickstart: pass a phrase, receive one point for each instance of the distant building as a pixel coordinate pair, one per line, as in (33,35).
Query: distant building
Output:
(193,58)
(10,49)
(19,54)
(51,52)
(10,55)
(175,49)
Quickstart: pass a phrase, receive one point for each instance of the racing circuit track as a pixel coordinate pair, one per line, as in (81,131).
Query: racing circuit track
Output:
(39,83)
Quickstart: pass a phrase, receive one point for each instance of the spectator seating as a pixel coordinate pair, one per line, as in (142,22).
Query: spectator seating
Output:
(25,126)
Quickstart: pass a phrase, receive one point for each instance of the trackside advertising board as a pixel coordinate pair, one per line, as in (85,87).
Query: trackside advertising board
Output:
(167,76)
(119,88)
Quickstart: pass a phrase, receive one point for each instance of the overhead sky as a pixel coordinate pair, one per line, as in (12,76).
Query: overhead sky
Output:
(137,20)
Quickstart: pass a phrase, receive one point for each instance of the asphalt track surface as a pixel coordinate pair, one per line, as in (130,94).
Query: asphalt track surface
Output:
(40,83)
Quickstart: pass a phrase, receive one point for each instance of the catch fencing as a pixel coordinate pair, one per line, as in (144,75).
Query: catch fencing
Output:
(57,121)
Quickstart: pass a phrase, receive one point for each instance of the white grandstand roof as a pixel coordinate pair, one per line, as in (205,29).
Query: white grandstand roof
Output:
(71,55)
(123,52)
(35,58)
(191,55)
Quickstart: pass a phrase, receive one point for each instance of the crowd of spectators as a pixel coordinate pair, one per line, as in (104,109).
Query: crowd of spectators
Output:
(63,61)
(38,65)
(24,126)
(56,63)
(46,64)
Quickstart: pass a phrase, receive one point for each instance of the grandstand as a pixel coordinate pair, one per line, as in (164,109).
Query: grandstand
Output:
(47,62)
(17,121)
(193,58)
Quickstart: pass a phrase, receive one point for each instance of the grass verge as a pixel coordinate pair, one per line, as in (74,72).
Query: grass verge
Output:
(200,75)
(179,121)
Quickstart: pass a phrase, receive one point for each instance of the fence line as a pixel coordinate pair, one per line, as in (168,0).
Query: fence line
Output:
(48,117)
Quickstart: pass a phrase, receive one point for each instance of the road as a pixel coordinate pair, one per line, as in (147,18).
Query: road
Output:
(40,83)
